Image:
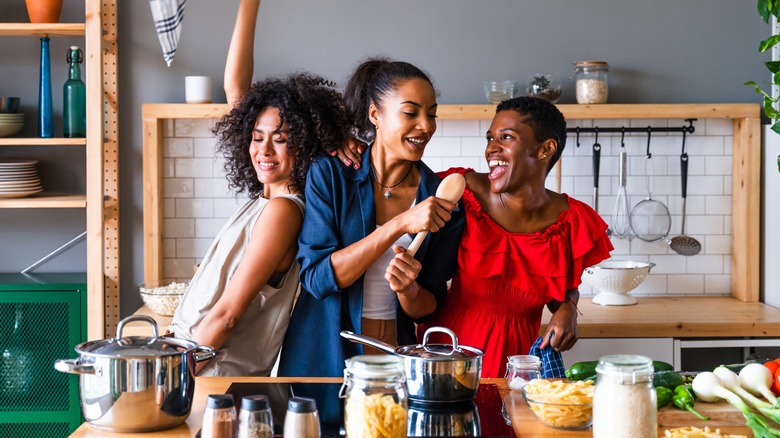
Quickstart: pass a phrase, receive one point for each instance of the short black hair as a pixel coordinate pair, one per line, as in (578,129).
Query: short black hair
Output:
(316,120)
(543,117)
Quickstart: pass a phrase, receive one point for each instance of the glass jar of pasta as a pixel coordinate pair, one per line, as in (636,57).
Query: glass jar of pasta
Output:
(376,398)
(624,402)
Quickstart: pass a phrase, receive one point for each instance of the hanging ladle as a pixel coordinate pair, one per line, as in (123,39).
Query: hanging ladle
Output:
(682,244)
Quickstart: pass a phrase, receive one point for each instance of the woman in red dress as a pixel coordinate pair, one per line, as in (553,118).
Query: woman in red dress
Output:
(524,247)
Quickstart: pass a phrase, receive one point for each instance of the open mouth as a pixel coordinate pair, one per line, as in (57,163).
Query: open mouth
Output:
(266,165)
(497,168)
(417,142)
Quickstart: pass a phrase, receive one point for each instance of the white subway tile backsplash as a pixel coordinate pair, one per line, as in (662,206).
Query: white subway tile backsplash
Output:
(460,128)
(208,227)
(178,188)
(197,201)
(718,165)
(178,228)
(194,207)
(193,127)
(177,147)
(192,248)
(193,167)
(443,147)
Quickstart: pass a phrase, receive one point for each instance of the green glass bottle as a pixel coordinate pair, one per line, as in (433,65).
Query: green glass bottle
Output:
(74,107)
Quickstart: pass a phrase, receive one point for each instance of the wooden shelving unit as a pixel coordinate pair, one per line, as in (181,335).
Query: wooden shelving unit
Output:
(746,172)
(101,198)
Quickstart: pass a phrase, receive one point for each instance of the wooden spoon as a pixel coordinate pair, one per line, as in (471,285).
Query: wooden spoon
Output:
(451,188)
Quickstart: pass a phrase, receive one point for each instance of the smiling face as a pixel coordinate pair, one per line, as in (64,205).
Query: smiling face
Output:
(406,119)
(514,156)
(268,151)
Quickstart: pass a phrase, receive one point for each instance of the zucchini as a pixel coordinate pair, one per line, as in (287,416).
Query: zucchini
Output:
(667,379)
(582,370)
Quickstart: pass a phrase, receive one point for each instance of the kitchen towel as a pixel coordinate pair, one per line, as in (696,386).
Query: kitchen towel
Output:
(552,361)
(168,15)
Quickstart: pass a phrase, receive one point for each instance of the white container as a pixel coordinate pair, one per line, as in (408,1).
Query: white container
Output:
(624,402)
(302,420)
(197,89)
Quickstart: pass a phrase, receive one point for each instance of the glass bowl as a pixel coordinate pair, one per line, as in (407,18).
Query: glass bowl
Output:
(557,413)
(498,91)
(162,298)
(544,86)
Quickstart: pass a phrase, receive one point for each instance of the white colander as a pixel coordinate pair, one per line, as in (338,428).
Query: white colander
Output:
(614,279)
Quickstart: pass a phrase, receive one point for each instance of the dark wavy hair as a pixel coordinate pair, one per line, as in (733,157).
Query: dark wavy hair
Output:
(543,117)
(316,120)
(372,80)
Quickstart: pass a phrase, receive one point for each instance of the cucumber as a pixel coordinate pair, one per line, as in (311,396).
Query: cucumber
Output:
(667,379)
(582,370)
(662,366)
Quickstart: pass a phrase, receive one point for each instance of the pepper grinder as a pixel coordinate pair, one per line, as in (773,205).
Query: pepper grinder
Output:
(302,420)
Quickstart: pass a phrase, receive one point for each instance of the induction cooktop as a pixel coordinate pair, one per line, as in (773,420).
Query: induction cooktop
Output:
(482,417)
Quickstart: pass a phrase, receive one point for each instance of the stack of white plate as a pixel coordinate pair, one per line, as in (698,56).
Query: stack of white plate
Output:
(11,123)
(19,178)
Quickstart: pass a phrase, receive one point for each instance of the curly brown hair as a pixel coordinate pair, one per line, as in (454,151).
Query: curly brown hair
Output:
(316,120)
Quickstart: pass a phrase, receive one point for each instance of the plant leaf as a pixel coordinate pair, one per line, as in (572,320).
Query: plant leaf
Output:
(773,66)
(774,8)
(776,127)
(763,10)
(769,108)
(756,87)
(768,43)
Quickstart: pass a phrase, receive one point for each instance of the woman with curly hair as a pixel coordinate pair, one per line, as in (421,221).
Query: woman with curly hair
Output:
(240,299)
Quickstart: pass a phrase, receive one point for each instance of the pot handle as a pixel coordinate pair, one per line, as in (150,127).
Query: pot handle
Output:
(73,367)
(131,318)
(362,339)
(204,352)
(444,330)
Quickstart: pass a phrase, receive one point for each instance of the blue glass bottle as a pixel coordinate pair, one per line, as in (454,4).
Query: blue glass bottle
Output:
(45,115)
(74,94)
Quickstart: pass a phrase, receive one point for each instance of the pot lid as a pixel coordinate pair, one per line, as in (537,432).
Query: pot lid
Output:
(440,351)
(136,346)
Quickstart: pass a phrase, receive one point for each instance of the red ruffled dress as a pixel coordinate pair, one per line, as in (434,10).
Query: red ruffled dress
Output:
(504,279)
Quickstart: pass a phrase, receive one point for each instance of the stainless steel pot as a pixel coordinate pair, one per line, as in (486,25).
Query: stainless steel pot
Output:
(136,383)
(434,372)
(463,421)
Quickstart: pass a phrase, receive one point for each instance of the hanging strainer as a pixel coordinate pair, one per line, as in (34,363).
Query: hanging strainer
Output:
(650,219)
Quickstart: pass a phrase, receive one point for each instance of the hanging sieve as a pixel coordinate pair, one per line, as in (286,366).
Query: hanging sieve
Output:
(650,219)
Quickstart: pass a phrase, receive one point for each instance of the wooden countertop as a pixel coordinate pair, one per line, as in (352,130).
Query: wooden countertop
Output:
(523,420)
(651,317)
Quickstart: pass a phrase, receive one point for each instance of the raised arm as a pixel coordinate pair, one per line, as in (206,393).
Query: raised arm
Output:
(240,59)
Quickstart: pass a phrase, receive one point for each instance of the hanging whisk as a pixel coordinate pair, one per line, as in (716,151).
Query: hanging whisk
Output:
(621,225)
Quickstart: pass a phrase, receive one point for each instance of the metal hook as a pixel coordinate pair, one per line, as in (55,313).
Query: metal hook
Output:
(597,134)
(622,136)
(578,136)
(684,132)
(649,132)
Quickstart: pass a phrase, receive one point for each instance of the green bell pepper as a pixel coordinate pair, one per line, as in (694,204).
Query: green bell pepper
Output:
(664,396)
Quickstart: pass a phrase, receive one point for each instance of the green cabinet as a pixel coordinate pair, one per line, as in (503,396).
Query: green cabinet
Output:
(42,317)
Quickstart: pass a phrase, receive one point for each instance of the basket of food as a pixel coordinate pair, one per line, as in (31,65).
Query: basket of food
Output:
(561,404)
(162,297)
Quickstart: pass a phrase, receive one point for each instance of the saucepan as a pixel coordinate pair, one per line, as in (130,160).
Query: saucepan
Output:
(136,383)
(438,373)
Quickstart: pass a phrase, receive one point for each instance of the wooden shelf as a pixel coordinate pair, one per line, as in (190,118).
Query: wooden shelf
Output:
(28,29)
(46,200)
(43,141)
(486,112)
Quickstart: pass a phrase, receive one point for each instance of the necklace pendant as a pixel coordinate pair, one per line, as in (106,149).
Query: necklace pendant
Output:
(387,194)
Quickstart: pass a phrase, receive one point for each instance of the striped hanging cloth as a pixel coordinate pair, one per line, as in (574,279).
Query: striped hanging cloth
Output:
(168,15)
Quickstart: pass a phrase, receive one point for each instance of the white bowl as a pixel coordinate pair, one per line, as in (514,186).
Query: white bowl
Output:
(614,279)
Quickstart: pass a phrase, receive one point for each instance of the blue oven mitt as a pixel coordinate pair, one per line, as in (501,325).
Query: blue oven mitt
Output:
(552,361)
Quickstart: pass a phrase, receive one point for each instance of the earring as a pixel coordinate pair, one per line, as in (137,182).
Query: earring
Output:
(376,127)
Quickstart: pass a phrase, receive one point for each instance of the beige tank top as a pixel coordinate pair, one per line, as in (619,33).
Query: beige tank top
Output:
(256,341)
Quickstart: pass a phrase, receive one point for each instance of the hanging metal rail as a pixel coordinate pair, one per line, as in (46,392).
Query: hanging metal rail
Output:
(690,129)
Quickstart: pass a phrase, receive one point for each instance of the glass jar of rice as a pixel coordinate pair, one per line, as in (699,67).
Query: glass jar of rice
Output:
(376,398)
(591,81)
(624,402)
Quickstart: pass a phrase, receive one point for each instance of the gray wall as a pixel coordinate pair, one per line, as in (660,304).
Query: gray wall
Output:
(661,51)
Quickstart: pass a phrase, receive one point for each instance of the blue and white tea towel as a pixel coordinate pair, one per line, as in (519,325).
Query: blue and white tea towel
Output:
(552,361)
(168,15)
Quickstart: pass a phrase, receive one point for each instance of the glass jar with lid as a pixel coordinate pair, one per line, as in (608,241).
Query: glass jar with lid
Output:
(375,392)
(624,401)
(521,369)
(219,418)
(591,81)
(256,418)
